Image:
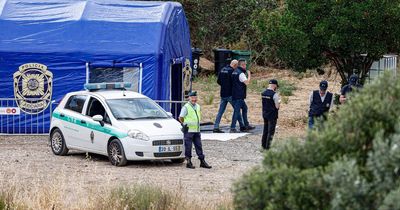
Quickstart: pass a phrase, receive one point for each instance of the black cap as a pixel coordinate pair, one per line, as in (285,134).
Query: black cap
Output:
(273,82)
(323,85)
(353,79)
(193,93)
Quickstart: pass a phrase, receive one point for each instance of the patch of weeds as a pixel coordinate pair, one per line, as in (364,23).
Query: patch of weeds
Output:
(208,99)
(141,197)
(286,88)
(258,85)
(285,100)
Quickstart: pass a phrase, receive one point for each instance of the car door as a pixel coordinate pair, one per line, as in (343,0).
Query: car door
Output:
(71,119)
(97,135)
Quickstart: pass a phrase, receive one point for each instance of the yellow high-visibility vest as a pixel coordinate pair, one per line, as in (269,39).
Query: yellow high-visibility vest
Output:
(193,118)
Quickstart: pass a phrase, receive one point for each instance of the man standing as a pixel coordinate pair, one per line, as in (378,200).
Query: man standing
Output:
(353,85)
(190,118)
(239,83)
(225,81)
(270,108)
(320,103)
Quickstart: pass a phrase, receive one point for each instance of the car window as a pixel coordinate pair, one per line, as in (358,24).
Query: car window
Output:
(138,108)
(96,108)
(75,103)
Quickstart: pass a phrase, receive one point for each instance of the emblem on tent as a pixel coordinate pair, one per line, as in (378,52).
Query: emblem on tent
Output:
(33,84)
(187,75)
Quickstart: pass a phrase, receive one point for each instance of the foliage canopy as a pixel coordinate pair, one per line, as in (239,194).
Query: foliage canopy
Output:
(350,34)
(349,162)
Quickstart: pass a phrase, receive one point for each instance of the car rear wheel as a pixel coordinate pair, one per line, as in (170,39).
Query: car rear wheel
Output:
(57,143)
(180,160)
(116,153)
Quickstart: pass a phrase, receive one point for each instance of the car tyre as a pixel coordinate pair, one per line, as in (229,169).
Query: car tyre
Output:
(116,153)
(57,143)
(180,160)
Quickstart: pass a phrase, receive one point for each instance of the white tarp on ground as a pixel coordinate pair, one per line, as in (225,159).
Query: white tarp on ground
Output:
(222,136)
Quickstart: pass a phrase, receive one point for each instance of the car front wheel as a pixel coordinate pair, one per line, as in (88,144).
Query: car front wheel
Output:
(116,153)
(57,142)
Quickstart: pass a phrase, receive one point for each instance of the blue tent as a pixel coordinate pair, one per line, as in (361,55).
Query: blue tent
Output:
(48,47)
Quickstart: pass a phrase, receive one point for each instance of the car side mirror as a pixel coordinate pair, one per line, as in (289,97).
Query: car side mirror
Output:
(169,114)
(98,118)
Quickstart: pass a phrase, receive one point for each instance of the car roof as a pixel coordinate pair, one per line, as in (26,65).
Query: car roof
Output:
(111,94)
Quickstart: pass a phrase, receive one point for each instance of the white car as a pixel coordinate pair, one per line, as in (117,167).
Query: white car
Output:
(122,125)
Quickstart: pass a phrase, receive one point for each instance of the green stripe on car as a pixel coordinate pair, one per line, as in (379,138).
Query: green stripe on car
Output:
(93,126)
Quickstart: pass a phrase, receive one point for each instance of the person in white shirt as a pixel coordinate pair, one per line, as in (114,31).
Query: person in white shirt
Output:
(239,83)
(320,103)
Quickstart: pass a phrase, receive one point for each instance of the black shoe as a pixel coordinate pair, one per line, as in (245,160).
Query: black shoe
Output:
(189,164)
(217,130)
(243,129)
(203,164)
(249,127)
(233,131)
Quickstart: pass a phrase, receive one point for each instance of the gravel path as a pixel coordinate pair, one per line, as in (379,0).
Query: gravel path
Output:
(27,160)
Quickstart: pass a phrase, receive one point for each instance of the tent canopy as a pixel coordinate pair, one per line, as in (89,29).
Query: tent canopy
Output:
(67,35)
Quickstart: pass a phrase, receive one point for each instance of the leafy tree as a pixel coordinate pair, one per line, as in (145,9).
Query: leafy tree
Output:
(349,34)
(218,24)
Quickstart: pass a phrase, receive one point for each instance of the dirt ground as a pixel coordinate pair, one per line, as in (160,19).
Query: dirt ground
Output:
(293,114)
(27,160)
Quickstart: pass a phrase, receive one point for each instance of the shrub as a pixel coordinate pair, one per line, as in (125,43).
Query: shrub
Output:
(349,162)
(391,201)
(286,88)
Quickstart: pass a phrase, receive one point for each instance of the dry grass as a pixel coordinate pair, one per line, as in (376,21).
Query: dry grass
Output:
(295,90)
(51,194)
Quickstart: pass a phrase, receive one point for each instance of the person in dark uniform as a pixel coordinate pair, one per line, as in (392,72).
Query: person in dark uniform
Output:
(239,83)
(225,81)
(353,85)
(320,103)
(270,107)
(190,118)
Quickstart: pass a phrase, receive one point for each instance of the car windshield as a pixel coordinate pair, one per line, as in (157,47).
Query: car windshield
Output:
(135,108)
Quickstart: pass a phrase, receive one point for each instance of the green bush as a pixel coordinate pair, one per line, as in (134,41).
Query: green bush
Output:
(349,162)
(391,201)
(286,88)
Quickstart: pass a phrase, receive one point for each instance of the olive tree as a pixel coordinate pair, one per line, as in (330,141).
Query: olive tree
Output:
(349,34)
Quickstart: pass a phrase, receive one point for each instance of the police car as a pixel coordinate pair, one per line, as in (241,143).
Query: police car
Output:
(123,125)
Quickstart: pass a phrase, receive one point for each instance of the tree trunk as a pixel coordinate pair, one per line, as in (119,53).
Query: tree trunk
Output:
(357,64)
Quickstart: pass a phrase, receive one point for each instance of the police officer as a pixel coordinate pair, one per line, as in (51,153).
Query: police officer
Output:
(353,85)
(270,107)
(320,103)
(190,118)
(225,81)
(239,83)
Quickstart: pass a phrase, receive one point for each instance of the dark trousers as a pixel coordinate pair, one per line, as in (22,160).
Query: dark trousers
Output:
(193,138)
(311,120)
(222,107)
(268,132)
(239,113)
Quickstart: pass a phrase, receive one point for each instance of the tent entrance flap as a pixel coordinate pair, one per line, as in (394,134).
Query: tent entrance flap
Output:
(111,72)
(176,87)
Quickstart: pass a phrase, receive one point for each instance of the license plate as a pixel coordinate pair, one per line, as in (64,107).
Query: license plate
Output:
(169,148)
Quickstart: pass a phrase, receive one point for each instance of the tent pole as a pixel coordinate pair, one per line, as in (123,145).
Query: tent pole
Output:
(87,73)
(140,78)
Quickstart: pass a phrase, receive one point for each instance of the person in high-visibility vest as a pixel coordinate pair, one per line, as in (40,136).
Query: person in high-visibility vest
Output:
(190,118)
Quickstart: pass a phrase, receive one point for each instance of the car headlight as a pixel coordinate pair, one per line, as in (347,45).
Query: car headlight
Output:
(136,134)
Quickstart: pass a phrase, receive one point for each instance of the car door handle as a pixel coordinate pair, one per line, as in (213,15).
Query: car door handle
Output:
(83,122)
(62,115)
